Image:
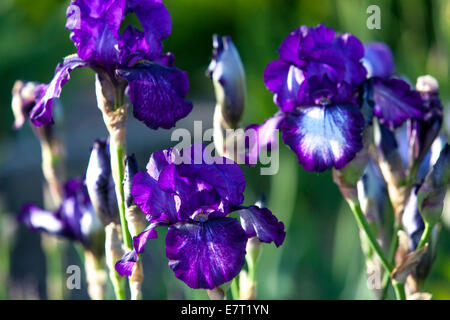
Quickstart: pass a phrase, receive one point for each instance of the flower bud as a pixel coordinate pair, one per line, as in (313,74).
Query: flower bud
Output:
(432,192)
(412,220)
(422,133)
(227,72)
(131,168)
(23,99)
(100,184)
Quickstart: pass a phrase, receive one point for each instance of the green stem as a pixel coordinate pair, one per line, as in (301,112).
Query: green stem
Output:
(235,288)
(425,235)
(391,257)
(399,289)
(363,225)
(118,151)
(119,287)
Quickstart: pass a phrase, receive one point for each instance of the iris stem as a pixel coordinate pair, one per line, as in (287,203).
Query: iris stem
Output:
(118,174)
(391,257)
(425,235)
(362,223)
(235,288)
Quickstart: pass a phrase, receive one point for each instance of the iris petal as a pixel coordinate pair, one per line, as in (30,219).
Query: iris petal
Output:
(261,223)
(155,19)
(125,266)
(42,220)
(41,114)
(206,255)
(155,203)
(324,137)
(395,102)
(140,240)
(95,29)
(262,136)
(378,60)
(287,82)
(157,94)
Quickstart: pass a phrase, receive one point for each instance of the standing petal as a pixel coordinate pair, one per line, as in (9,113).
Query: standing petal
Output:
(155,203)
(287,82)
(395,102)
(206,255)
(324,137)
(157,94)
(261,223)
(155,19)
(95,29)
(378,60)
(41,114)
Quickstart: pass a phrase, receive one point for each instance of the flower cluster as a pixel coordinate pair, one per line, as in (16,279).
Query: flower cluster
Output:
(205,247)
(133,59)
(317,84)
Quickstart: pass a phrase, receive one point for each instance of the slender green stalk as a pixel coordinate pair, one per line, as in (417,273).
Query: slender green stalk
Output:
(235,288)
(399,289)
(425,235)
(391,257)
(362,223)
(118,151)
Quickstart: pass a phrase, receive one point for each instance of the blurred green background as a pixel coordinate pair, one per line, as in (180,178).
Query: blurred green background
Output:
(321,257)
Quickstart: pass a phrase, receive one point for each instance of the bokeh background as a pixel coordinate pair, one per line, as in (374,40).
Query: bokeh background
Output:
(321,257)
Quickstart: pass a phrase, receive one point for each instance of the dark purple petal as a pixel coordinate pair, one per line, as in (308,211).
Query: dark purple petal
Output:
(39,220)
(155,19)
(324,137)
(159,160)
(41,114)
(154,202)
(295,45)
(352,50)
(378,60)
(262,136)
(133,47)
(125,266)
(140,240)
(395,102)
(204,171)
(95,29)
(206,255)
(287,82)
(261,223)
(157,94)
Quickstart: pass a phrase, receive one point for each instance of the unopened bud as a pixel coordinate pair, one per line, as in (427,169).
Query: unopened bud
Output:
(432,192)
(427,84)
(227,72)
(100,183)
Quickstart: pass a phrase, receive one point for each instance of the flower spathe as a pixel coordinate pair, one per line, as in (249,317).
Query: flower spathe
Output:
(157,89)
(194,198)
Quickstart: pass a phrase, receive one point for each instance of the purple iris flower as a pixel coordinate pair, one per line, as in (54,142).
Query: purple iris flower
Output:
(205,247)
(133,58)
(75,219)
(317,84)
